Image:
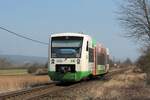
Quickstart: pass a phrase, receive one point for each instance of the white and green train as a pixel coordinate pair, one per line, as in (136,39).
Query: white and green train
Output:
(75,56)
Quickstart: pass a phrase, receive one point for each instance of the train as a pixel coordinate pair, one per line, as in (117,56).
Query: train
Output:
(76,56)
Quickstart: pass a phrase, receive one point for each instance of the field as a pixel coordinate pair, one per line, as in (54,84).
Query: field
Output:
(13,71)
(17,82)
(16,79)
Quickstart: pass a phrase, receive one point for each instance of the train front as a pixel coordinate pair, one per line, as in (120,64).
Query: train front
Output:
(64,58)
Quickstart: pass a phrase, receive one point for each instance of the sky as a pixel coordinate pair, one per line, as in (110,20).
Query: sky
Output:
(38,19)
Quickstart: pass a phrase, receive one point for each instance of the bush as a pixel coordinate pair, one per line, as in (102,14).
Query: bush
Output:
(38,69)
(144,62)
(33,68)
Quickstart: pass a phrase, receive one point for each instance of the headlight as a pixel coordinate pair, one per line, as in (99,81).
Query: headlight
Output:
(52,61)
(78,61)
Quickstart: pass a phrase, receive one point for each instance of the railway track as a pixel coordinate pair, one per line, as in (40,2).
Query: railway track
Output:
(37,93)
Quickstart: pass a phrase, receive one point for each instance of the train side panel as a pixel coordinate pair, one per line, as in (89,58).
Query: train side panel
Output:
(101,60)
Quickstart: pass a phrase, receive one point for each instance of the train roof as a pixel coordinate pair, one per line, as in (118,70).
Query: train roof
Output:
(70,34)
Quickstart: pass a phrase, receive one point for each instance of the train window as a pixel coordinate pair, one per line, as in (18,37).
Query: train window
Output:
(107,59)
(101,59)
(87,46)
(66,47)
(91,55)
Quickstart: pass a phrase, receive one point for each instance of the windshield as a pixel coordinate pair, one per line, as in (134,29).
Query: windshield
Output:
(66,47)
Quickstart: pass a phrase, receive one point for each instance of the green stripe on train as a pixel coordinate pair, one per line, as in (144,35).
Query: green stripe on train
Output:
(93,42)
(77,76)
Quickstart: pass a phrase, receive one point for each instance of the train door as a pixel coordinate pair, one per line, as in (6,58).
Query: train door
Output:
(90,56)
(94,61)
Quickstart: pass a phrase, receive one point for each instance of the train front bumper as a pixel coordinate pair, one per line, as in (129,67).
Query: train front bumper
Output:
(68,77)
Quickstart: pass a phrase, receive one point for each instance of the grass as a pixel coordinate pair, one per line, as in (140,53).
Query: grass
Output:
(13,71)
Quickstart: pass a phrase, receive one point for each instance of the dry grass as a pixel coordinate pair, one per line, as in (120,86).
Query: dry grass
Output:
(125,86)
(130,85)
(17,82)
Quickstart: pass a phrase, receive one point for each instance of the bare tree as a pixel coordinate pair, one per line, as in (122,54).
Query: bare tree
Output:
(127,62)
(134,15)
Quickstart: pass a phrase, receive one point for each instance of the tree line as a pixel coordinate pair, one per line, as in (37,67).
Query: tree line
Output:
(32,68)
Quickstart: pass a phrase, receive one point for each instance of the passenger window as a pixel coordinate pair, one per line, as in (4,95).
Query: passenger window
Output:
(91,55)
(87,46)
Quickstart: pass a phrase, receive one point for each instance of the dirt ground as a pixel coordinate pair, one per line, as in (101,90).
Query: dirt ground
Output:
(130,85)
(16,82)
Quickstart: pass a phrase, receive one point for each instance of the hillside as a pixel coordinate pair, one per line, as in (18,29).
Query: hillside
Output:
(20,59)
